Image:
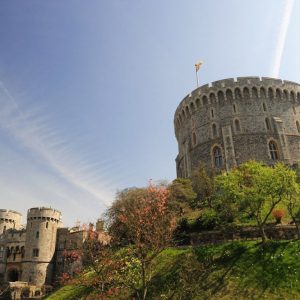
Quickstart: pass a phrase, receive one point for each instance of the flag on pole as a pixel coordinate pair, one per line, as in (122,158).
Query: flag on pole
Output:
(198,65)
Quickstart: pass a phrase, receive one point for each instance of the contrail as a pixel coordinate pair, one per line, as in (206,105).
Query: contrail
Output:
(275,67)
(47,144)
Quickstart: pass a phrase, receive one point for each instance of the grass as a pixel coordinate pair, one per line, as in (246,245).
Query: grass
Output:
(237,270)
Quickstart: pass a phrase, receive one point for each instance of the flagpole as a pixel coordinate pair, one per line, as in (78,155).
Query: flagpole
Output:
(197,78)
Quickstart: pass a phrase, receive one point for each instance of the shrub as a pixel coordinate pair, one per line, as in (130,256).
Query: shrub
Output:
(208,220)
(278,214)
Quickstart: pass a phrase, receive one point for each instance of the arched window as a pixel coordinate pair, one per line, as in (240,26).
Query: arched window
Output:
(229,95)
(194,139)
(254,92)
(212,98)
(197,102)
(268,125)
(214,130)
(293,98)
(237,125)
(264,106)
(285,95)
(298,126)
(37,235)
(204,100)
(278,94)
(237,93)
(298,97)
(212,113)
(183,114)
(221,97)
(273,150)
(192,107)
(262,92)
(271,94)
(187,111)
(217,156)
(246,93)
(47,224)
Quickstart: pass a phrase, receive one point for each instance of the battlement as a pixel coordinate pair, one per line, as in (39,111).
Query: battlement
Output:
(232,89)
(10,215)
(37,213)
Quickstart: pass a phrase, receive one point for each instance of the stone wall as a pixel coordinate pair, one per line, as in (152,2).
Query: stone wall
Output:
(240,117)
(274,232)
(41,231)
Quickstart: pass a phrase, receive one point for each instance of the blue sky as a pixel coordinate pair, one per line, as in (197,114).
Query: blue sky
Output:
(88,89)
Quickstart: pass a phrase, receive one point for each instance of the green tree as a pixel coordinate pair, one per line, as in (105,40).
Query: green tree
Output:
(256,189)
(203,182)
(182,195)
(292,202)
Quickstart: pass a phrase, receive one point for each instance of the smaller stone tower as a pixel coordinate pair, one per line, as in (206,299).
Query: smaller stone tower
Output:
(41,231)
(9,219)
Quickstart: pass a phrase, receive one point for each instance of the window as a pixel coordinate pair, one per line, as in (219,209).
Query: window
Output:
(246,93)
(237,93)
(37,235)
(268,125)
(217,156)
(254,92)
(264,106)
(194,138)
(234,108)
(4,229)
(229,95)
(271,94)
(237,125)
(47,224)
(214,130)
(212,113)
(35,252)
(298,126)
(262,92)
(273,150)
(278,94)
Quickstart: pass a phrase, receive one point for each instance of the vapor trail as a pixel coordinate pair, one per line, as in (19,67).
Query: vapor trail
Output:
(275,67)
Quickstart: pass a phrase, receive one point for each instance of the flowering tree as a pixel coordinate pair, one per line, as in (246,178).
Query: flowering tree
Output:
(146,222)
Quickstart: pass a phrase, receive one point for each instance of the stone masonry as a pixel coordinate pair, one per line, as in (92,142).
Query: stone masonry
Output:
(228,122)
(34,255)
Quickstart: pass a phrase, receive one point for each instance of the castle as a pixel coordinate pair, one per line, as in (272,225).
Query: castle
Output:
(228,122)
(35,255)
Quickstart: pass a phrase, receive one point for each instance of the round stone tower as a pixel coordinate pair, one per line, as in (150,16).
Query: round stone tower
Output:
(225,123)
(41,230)
(9,219)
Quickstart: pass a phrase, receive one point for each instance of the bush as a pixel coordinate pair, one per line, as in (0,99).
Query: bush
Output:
(278,214)
(208,220)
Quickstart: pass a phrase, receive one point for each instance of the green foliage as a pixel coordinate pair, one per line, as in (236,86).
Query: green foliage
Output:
(256,189)
(208,220)
(204,186)
(239,270)
(181,196)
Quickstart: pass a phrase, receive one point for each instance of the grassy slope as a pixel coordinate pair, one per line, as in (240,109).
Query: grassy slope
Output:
(239,270)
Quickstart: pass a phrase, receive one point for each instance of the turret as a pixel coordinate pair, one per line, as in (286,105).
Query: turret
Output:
(9,219)
(41,230)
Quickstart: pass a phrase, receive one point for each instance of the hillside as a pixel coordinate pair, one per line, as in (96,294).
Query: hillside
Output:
(239,270)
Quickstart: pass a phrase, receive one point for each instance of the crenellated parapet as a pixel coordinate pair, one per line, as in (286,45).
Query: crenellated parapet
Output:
(9,219)
(231,89)
(44,213)
(226,113)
